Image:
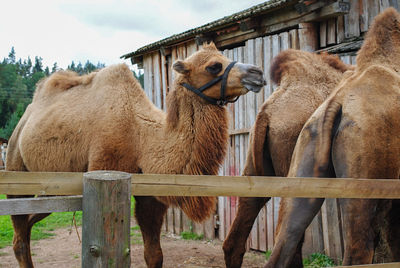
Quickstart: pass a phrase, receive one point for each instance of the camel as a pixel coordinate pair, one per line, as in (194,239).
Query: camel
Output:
(305,80)
(104,121)
(353,134)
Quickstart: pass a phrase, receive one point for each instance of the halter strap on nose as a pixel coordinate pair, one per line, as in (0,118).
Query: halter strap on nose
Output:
(223,78)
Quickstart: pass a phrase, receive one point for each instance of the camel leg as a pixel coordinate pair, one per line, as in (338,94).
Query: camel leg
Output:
(22,235)
(150,214)
(394,230)
(235,244)
(358,215)
(299,214)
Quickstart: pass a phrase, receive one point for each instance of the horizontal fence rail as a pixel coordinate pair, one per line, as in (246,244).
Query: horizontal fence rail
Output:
(60,183)
(65,183)
(21,206)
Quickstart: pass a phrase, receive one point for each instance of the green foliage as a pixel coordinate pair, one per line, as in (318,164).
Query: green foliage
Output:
(136,236)
(317,260)
(13,121)
(85,69)
(191,236)
(140,77)
(268,254)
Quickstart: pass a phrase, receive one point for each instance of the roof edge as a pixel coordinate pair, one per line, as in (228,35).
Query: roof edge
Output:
(265,7)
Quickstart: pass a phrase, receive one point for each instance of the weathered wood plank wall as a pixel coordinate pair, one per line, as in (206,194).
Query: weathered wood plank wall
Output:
(324,234)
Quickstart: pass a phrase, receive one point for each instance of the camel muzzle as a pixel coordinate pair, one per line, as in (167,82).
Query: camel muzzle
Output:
(223,78)
(253,77)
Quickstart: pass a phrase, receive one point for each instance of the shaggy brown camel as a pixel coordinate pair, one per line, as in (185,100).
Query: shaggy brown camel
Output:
(104,121)
(305,80)
(353,134)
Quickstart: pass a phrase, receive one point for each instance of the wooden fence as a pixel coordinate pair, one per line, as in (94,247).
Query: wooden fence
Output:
(95,187)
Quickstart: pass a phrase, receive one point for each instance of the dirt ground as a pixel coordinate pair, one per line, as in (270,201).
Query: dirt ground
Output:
(64,251)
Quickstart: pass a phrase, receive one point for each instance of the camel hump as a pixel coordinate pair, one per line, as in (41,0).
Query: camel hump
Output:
(382,42)
(326,128)
(336,63)
(61,81)
(280,64)
(296,62)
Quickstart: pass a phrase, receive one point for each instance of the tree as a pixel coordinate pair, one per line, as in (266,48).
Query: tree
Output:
(89,67)
(72,66)
(54,68)
(18,81)
(38,67)
(11,56)
(140,77)
(13,121)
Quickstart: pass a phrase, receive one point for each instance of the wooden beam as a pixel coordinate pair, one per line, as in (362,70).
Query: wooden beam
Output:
(284,19)
(20,206)
(20,183)
(137,60)
(330,11)
(165,51)
(234,132)
(40,183)
(187,185)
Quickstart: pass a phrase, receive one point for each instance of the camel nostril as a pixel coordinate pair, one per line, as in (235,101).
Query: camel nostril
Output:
(255,70)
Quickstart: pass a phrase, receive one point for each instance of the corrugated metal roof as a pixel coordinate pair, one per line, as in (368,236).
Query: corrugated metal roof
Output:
(252,11)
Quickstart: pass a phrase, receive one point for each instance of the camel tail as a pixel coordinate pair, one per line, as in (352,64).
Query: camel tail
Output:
(197,208)
(327,128)
(258,141)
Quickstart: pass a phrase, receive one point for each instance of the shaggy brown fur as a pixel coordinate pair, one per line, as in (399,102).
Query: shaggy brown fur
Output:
(104,121)
(353,134)
(305,79)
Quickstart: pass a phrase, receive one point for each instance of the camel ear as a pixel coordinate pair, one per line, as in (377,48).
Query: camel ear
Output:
(180,67)
(172,109)
(209,45)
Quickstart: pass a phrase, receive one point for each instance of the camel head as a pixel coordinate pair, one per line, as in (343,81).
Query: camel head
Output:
(216,78)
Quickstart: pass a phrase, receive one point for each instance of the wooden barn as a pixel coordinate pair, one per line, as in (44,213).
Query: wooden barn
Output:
(256,35)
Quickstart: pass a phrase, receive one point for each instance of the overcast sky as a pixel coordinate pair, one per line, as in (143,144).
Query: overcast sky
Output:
(100,30)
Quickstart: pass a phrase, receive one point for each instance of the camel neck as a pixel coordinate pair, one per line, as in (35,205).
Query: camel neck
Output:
(200,132)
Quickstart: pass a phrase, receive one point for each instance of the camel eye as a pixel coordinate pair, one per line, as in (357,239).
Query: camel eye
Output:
(214,68)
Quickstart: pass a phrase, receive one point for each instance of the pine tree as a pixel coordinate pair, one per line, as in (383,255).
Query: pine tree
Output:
(38,67)
(72,66)
(11,56)
(55,68)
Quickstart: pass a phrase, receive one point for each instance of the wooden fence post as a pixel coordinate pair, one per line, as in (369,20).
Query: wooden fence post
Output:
(106,219)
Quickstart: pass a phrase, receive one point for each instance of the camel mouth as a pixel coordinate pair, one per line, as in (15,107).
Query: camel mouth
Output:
(254,85)
(252,77)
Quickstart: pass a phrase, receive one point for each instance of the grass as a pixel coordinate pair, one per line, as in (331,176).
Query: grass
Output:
(315,260)
(43,228)
(136,236)
(191,236)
